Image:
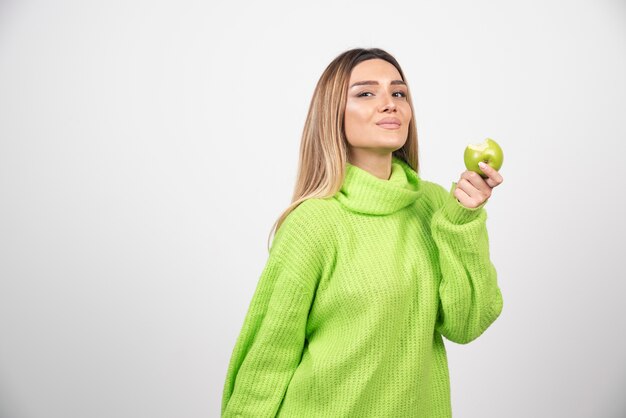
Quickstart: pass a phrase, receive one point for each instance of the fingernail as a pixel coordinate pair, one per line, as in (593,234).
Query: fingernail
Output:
(481,164)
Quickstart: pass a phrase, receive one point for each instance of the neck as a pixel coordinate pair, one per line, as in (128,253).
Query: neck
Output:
(378,165)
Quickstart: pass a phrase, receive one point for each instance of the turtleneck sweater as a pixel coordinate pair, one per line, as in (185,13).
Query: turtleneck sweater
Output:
(349,312)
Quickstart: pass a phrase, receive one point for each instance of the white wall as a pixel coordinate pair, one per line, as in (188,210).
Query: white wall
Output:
(146,148)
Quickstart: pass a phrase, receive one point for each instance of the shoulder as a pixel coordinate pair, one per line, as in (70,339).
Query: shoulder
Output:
(315,209)
(305,241)
(314,214)
(309,226)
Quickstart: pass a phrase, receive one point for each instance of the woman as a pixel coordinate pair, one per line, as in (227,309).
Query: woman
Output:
(369,266)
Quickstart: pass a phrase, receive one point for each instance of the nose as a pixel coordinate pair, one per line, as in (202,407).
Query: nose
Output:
(389,105)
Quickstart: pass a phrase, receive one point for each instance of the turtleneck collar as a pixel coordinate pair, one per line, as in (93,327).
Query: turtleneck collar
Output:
(363,192)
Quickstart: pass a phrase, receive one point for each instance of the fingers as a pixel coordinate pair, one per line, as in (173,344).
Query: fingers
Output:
(493,177)
(470,195)
(472,189)
(460,194)
(474,185)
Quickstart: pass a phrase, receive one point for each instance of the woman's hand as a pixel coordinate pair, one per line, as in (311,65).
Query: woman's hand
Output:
(472,190)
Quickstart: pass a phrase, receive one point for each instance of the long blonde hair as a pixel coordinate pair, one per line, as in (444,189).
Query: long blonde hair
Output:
(323,147)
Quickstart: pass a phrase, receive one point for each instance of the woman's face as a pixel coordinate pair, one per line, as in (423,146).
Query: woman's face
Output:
(379,94)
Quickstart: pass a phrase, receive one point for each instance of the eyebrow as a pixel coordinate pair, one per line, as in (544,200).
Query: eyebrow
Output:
(373,82)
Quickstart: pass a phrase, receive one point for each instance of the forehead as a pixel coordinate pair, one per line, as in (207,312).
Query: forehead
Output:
(374,69)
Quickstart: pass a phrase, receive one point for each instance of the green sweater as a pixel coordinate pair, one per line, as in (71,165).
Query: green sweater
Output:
(348,315)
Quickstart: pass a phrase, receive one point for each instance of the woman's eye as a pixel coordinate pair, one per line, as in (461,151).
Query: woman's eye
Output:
(402,94)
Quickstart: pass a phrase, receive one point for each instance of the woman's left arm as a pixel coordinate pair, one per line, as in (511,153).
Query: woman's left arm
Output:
(469,297)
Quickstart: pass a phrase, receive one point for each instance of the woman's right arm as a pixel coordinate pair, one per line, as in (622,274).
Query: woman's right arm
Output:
(269,347)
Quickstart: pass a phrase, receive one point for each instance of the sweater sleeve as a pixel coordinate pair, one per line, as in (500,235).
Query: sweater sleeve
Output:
(469,297)
(270,345)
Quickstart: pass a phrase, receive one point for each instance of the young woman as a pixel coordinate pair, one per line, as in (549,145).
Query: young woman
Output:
(370,265)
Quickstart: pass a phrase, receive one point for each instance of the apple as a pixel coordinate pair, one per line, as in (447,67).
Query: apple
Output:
(488,151)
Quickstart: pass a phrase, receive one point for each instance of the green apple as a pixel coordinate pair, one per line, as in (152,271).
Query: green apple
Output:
(488,151)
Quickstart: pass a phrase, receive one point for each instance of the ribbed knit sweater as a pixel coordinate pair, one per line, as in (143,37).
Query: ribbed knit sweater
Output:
(348,315)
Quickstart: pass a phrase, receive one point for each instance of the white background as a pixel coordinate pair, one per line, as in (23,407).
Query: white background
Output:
(147,147)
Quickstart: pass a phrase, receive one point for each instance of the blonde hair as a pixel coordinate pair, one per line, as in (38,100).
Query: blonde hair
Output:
(323,147)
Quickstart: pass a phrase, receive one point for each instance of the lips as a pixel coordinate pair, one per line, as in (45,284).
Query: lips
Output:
(387,122)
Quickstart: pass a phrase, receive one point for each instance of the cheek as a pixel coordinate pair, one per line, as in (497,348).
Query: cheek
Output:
(407,110)
(353,117)
(409,116)
(355,113)
(354,124)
